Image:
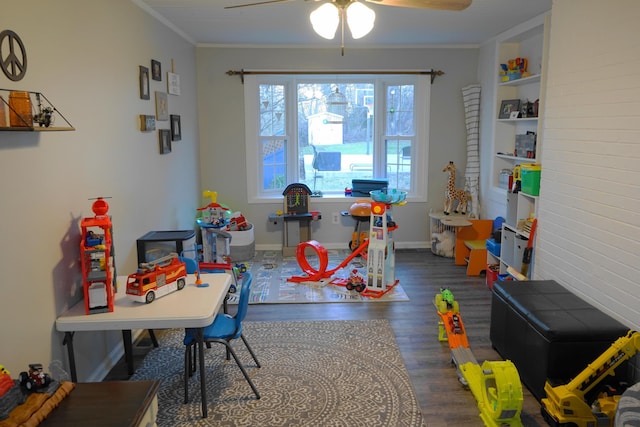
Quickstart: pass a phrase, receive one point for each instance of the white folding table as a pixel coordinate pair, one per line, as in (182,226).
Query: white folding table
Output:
(192,307)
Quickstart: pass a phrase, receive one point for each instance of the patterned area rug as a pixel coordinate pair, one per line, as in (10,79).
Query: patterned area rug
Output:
(271,270)
(314,373)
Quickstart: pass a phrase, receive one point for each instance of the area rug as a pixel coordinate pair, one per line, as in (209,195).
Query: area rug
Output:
(270,286)
(314,373)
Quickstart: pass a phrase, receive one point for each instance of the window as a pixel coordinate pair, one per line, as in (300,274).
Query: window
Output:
(325,132)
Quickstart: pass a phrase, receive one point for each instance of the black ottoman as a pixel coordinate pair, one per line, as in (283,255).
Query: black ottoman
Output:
(547,331)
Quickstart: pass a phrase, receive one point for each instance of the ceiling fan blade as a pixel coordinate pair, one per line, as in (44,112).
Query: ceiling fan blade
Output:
(426,4)
(256,4)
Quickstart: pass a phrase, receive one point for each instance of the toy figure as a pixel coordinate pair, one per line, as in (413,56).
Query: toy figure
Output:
(453,194)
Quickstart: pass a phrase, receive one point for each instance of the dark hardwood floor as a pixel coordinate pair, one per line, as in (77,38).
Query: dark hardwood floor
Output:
(443,399)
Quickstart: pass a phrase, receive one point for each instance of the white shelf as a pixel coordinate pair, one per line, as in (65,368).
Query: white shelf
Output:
(526,119)
(523,81)
(515,158)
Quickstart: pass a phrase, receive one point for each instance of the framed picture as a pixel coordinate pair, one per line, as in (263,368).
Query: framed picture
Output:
(507,107)
(176,131)
(173,84)
(156,70)
(144,82)
(165,141)
(147,123)
(162,106)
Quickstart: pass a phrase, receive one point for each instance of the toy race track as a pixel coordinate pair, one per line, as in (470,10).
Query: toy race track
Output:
(494,384)
(316,275)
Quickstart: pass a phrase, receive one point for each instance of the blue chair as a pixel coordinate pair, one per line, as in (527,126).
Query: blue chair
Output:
(191,264)
(223,330)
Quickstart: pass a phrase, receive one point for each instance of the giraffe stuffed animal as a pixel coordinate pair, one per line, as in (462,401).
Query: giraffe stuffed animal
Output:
(452,193)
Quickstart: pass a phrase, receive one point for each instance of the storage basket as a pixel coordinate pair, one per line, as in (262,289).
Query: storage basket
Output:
(531,179)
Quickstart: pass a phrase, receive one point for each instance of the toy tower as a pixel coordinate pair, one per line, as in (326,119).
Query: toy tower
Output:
(96,256)
(381,254)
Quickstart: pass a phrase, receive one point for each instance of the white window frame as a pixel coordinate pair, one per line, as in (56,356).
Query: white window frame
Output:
(419,157)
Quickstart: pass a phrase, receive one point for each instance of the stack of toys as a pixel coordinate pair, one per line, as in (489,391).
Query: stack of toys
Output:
(218,224)
(514,69)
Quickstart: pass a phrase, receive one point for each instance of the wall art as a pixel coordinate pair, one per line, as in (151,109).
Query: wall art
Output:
(156,70)
(147,123)
(173,84)
(162,106)
(176,131)
(144,82)
(165,141)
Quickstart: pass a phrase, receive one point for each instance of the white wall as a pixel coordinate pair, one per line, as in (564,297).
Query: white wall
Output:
(222,129)
(84,56)
(589,213)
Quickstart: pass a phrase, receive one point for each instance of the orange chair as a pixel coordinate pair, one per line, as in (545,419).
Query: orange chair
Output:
(471,247)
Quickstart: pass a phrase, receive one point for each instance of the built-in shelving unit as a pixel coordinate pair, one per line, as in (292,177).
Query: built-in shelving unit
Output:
(530,42)
(515,236)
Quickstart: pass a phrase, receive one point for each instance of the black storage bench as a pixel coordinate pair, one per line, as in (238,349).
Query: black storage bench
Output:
(547,331)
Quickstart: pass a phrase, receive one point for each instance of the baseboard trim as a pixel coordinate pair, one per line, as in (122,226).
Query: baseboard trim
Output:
(111,359)
(341,245)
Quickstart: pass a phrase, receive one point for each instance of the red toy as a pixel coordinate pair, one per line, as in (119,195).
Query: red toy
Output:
(96,255)
(6,382)
(356,281)
(157,278)
(35,378)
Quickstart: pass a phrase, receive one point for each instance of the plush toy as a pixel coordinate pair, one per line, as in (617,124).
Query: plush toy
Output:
(453,194)
(445,243)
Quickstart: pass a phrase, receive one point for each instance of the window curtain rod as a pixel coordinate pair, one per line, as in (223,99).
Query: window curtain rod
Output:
(242,73)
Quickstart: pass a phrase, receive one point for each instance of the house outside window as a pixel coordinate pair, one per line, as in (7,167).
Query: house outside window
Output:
(325,132)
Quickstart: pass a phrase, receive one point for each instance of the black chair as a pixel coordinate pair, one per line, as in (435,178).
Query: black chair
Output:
(325,161)
(223,330)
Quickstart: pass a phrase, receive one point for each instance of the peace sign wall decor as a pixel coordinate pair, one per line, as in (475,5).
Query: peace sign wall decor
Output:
(13,56)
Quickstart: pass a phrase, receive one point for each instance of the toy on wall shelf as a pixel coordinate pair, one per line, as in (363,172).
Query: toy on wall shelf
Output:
(514,69)
(453,194)
(157,278)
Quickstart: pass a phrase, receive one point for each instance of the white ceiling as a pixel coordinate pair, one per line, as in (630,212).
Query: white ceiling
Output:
(287,23)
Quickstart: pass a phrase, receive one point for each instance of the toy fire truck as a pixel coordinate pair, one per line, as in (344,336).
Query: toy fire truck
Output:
(157,278)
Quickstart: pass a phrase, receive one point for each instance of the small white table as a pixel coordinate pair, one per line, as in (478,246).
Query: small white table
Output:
(191,307)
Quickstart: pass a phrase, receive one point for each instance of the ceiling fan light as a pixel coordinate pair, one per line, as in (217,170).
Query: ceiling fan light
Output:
(360,19)
(325,20)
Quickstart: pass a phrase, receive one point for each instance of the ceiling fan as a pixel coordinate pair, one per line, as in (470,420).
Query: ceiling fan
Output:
(331,13)
(416,4)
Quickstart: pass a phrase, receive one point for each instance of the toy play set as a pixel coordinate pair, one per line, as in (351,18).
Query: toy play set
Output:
(495,384)
(296,216)
(379,247)
(226,235)
(96,257)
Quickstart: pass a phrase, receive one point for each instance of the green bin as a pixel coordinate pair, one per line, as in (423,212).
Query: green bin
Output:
(530,175)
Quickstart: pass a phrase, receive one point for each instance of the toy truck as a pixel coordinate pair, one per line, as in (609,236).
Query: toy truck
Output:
(566,404)
(356,281)
(36,378)
(157,278)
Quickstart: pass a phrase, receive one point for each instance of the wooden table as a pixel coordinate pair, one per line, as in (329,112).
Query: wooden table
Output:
(107,404)
(191,307)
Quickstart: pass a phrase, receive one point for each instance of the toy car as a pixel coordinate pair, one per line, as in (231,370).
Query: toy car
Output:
(355,281)
(35,378)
